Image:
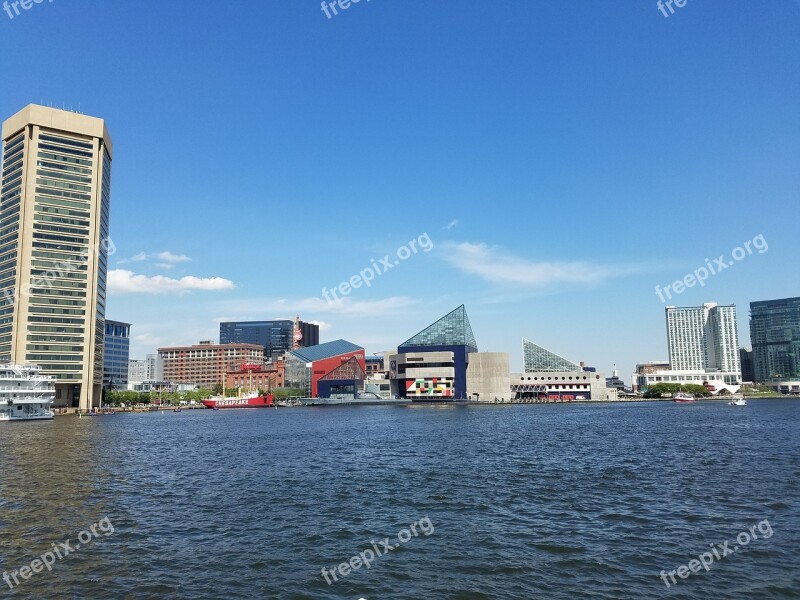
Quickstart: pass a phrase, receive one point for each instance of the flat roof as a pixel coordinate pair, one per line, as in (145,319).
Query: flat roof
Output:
(62,120)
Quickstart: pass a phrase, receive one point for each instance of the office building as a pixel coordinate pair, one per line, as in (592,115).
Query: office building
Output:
(748,368)
(116,355)
(703,345)
(206,364)
(703,338)
(276,337)
(775,336)
(142,370)
(138,370)
(54,219)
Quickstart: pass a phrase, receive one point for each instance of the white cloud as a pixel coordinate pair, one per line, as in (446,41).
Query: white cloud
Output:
(496,266)
(451,224)
(121,281)
(169,257)
(136,258)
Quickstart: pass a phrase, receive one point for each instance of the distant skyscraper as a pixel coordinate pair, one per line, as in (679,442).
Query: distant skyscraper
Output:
(277,337)
(702,338)
(116,354)
(775,335)
(748,369)
(54,212)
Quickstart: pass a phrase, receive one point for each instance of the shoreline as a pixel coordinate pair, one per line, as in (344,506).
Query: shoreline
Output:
(64,412)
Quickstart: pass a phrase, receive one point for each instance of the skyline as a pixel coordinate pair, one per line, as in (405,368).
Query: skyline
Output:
(557,197)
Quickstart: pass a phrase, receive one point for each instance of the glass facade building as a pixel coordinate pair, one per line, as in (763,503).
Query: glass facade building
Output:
(116,355)
(54,242)
(537,359)
(277,337)
(451,333)
(306,367)
(775,337)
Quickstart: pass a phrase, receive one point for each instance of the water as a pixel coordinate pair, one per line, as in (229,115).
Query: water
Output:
(541,501)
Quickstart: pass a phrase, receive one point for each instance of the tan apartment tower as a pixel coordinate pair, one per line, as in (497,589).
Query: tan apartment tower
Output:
(54,245)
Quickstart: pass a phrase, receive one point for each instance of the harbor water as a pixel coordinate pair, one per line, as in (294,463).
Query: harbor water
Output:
(507,502)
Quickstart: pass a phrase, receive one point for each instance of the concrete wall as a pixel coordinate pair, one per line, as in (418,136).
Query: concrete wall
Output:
(570,382)
(488,377)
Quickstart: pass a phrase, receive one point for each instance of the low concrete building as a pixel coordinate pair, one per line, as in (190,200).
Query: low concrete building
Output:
(715,381)
(562,386)
(488,377)
(786,387)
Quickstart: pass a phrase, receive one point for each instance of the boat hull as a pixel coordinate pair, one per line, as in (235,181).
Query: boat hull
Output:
(254,402)
(49,417)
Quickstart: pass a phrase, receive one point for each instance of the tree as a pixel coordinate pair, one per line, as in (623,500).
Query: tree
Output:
(658,390)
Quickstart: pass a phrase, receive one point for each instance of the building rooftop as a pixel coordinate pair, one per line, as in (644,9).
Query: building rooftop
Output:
(326,350)
(54,118)
(453,329)
(209,345)
(537,359)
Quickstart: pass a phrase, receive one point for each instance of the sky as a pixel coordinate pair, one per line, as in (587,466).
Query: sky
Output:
(553,162)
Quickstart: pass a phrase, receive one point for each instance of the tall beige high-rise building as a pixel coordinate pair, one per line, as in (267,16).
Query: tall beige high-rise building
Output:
(54,243)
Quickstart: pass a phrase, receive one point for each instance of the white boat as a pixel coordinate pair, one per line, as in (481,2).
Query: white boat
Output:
(683,398)
(738,402)
(25,394)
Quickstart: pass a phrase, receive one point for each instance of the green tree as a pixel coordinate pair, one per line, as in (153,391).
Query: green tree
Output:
(664,388)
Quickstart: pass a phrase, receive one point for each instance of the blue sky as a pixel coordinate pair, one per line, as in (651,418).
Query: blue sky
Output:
(564,158)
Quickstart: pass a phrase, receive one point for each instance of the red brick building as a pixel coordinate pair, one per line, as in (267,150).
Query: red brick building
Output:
(257,377)
(207,364)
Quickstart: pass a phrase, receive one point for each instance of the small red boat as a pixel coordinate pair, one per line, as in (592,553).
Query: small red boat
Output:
(252,400)
(682,398)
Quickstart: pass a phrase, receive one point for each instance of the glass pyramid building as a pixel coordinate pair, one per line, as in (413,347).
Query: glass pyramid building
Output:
(452,329)
(538,359)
